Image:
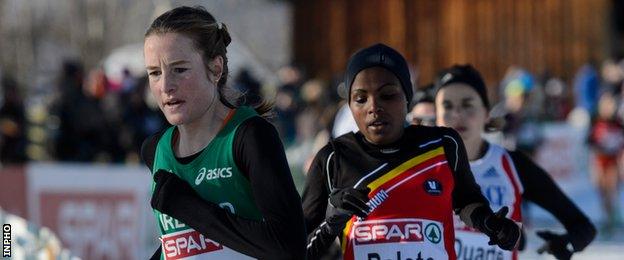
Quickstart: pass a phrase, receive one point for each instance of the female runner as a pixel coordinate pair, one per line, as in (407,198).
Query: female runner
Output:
(505,177)
(222,187)
(389,191)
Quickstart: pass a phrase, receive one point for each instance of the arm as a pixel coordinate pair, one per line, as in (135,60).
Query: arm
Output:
(157,253)
(259,153)
(467,194)
(148,149)
(469,203)
(543,191)
(147,153)
(315,196)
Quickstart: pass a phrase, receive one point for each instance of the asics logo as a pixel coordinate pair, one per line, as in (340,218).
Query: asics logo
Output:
(213,174)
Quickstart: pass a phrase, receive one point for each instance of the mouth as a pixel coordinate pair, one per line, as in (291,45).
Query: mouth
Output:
(174,103)
(378,125)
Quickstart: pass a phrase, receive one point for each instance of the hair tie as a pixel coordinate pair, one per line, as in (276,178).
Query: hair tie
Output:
(224,34)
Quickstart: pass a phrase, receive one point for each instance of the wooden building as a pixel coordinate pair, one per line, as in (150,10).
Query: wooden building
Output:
(540,35)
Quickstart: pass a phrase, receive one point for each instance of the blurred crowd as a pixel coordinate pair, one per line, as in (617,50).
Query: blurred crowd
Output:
(85,116)
(88,117)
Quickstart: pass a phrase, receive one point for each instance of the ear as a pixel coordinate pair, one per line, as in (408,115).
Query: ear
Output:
(215,69)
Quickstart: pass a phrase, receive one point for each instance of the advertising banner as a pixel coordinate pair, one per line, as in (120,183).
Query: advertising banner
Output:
(97,211)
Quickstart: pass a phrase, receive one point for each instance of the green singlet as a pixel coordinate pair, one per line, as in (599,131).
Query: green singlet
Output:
(213,174)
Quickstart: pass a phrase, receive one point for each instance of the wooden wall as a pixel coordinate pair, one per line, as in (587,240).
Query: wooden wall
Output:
(540,35)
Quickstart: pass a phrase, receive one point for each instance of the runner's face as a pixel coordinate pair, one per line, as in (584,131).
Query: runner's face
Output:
(459,106)
(378,105)
(423,113)
(178,78)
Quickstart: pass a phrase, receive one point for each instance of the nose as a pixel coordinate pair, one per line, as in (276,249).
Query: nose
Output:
(456,114)
(168,83)
(375,106)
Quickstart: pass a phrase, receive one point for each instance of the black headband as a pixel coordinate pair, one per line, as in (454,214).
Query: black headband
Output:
(463,74)
(379,55)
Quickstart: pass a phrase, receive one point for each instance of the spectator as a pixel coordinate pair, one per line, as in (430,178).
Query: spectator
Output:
(586,87)
(80,116)
(12,124)
(423,111)
(286,103)
(521,130)
(607,141)
(249,86)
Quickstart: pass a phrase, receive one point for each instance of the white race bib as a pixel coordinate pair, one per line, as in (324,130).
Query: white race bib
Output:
(409,238)
(190,244)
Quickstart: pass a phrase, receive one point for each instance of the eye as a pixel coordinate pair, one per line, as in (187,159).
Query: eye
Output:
(180,70)
(153,73)
(359,99)
(467,105)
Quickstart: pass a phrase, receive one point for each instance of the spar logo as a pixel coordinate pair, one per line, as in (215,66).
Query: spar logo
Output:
(213,174)
(187,243)
(433,233)
(388,231)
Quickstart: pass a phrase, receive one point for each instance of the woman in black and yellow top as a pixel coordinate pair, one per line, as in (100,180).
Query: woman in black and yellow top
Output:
(222,187)
(392,189)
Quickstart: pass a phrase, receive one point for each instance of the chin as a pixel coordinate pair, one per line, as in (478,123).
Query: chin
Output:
(175,119)
(378,139)
(383,137)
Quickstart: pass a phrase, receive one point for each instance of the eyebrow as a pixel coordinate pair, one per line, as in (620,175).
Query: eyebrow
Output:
(462,100)
(386,85)
(378,89)
(178,62)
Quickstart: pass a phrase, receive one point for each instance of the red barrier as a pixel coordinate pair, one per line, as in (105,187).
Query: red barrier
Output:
(13,190)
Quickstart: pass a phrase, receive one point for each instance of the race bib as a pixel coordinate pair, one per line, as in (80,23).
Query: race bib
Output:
(190,244)
(416,239)
(474,245)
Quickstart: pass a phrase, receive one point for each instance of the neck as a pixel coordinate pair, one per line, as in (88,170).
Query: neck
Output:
(387,143)
(474,148)
(196,135)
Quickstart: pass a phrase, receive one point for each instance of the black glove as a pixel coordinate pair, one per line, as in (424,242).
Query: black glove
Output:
(557,245)
(343,204)
(502,231)
(168,187)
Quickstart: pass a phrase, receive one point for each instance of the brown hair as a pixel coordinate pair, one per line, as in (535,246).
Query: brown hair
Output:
(211,40)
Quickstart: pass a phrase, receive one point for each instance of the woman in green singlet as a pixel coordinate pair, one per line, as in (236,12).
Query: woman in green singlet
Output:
(222,187)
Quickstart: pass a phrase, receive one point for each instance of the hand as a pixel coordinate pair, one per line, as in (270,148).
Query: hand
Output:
(343,204)
(557,245)
(502,231)
(168,183)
